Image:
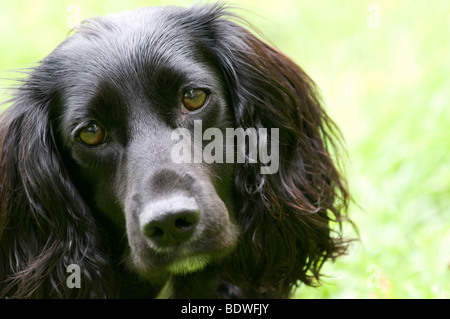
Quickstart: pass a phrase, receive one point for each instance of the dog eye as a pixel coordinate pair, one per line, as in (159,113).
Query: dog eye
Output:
(194,99)
(92,134)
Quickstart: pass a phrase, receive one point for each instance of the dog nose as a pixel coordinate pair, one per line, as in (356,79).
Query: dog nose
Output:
(170,221)
(171,228)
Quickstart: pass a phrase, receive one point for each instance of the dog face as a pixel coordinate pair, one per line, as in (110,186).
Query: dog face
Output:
(139,80)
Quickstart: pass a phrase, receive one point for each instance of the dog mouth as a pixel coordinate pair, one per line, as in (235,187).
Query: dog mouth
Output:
(188,264)
(178,260)
(178,233)
(185,247)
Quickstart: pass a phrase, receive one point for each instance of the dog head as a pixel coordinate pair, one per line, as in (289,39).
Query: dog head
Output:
(125,142)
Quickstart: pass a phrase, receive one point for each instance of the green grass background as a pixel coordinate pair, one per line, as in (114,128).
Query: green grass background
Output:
(383,68)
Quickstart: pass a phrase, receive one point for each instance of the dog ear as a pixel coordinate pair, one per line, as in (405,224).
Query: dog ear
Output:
(44,224)
(292,218)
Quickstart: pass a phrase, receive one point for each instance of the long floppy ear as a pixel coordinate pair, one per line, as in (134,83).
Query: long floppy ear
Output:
(44,224)
(291,219)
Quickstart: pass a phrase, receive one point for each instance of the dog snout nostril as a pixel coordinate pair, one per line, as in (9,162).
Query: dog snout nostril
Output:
(153,231)
(170,223)
(171,228)
(186,221)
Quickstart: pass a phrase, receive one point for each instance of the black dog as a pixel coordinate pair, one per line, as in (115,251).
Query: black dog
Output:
(88,176)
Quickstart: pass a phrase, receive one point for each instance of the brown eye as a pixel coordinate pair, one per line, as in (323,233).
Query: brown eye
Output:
(92,135)
(194,99)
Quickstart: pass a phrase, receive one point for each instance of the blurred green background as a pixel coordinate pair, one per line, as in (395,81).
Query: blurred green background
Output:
(383,68)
